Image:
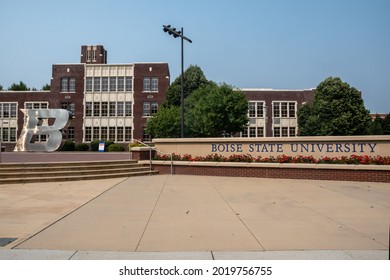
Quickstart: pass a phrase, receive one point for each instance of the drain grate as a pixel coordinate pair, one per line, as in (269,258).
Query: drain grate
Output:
(6,240)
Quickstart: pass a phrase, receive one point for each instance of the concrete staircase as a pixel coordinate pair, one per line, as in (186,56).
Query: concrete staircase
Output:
(19,173)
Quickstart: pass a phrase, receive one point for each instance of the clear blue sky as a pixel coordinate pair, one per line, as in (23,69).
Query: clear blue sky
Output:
(278,44)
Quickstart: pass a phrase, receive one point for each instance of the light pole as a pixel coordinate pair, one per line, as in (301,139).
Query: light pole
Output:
(172,31)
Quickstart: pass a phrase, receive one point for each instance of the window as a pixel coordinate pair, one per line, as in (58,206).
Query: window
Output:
(244,133)
(146,84)
(252,109)
(8,110)
(88,136)
(88,109)
(88,84)
(128,109)
(64,84)
(112,83)
(120,109)
(12,134)
(72,85)
(291,109)
(30,105)
(154,84)
(96,84)
(104,109)
(112,133)
(68,106)
(146,111)
(128,133)
(104,133)
(96,133)
(292,131)
(284,110)
(71,133)
(121,83)
(89,55)
(119,134)
(104,84)
(5,134)
(96,109)
(129,84)
(252,131)
(260,132)
(112,109)
(150,109)
(284,131)
(276,111)
(276,131)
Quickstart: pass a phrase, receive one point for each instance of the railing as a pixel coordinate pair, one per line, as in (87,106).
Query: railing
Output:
(150,153)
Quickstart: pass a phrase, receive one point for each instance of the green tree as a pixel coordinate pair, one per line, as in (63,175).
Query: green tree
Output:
(216,110)
(46,87)
(337,109)
(193,79)
(1,87)
(165,124)
(19,87)
(386,125)
(376,126)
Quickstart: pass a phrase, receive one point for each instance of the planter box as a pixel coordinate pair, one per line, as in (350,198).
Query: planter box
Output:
(142,153)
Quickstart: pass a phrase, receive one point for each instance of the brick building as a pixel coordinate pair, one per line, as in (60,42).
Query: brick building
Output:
(114,102)
(273,113)
(107,101)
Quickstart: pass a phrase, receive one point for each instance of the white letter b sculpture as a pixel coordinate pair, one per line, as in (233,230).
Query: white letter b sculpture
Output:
(37,124)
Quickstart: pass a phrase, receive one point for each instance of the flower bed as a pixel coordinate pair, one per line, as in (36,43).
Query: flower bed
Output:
(353,159)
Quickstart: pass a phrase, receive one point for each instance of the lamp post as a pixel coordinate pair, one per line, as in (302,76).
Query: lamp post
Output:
(172,31)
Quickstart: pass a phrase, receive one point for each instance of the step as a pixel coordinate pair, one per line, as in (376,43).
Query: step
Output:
(76,178)
(14,173)
(75,172)
(60,168)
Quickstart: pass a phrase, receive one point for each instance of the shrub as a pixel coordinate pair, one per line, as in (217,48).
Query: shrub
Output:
(115,148)
(82,147)
(68,146)
(94,145)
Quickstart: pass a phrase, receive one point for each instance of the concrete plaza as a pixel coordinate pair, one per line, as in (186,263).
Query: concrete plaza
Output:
(195,217)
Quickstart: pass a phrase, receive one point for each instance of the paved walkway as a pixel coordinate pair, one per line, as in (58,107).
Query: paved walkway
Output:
(197,218)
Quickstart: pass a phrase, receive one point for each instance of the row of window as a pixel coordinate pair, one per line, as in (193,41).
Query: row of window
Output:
(105,109)
(106,84)
(253,131)
(116,134)
(68,84)
(150,84)
(8,110)
(280,109)
(8,134)
(150,109)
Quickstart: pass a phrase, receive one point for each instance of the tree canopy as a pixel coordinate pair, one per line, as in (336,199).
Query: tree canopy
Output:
(193,79)
(216,110)
(46,87)
(211,110)
(337,109)
(19,87)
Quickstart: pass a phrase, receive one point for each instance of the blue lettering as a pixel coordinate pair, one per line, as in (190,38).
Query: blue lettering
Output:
(320,147)
(239,148)
(232,148)
(251,148)
(279,148)
(329,148)
(292,148)
(213,148)
(362,145)
(303,147)
(264,149)
(347,149)
(221,148)
(271,147)
(338,148)
(372,146)
(354,148)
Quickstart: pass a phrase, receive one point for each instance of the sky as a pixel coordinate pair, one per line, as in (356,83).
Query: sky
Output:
(279,44)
